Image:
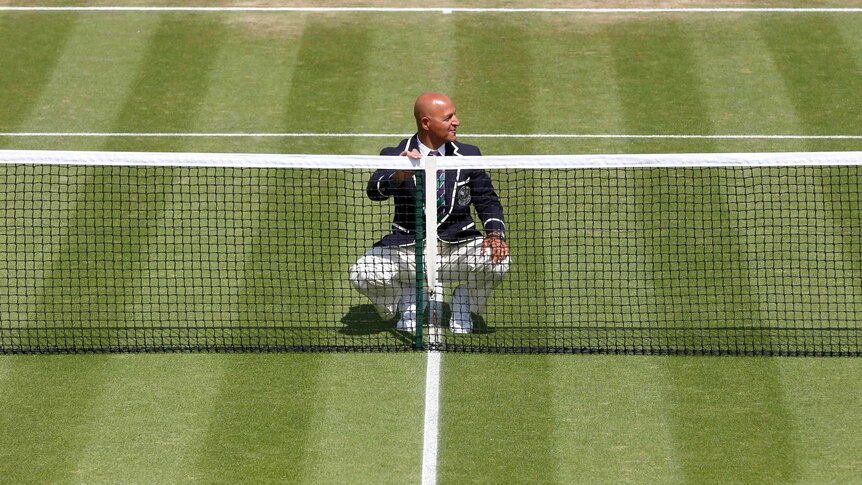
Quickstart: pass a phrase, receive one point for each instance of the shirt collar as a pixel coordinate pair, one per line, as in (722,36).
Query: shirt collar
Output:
(424,150)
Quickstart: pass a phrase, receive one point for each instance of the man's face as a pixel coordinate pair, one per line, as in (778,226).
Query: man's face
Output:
(442,124)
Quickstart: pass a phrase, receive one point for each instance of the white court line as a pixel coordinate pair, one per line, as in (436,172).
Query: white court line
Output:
(444,10)
(432,417)
(396,135)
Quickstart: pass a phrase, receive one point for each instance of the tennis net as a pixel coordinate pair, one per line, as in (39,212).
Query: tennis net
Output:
(658,254)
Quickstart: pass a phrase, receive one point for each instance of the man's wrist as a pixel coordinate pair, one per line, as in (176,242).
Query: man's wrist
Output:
(495,235)
(398,177)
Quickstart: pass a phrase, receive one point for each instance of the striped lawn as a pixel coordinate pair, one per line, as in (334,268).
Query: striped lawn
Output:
(649,420)
(211,418)
(321,418)
(358,418)
(578,73)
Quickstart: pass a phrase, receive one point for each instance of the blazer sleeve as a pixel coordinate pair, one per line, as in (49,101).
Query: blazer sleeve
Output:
(487,203)
(380,186)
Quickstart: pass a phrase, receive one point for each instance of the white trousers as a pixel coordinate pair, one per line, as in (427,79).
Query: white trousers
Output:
(384,273)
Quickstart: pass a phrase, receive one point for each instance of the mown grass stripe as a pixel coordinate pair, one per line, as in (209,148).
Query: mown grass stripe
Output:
(609,420)
(825,85)
(731,421)
(329,80)
(155,415)
(30,46)
(478,95)
(167,92)
(576,57)
(647,53)
(822,80)
(497,417)
(48,403)
(96,68)
(249,83)
(650,101)
(479,103)
(93,284)
(492,97)
(742,86)
(262,298)
(99,275)
(839,199)
(823,401)
(262,425)
(172,79)
(385,445)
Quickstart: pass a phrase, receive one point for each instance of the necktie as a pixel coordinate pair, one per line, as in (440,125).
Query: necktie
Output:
(441,189)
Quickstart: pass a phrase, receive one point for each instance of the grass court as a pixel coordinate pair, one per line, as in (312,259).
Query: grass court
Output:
(685,82)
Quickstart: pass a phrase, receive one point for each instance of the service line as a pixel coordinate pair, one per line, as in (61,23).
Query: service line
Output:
(444,10)
(789,136)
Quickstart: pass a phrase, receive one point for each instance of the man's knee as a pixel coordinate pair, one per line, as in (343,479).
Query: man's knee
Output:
(491,269)
(370,273)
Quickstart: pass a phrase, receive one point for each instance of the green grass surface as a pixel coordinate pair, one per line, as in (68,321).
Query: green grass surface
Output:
(577,73)
(323,418)
(211,418)
(649,420)
(357,418)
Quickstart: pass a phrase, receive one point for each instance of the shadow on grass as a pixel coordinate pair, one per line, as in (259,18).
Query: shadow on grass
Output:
(363,320)
(480,326)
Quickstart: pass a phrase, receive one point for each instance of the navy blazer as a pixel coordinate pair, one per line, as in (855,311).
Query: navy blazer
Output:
(463,187)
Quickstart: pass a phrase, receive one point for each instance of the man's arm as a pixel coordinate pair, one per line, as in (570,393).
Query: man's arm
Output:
(401,175)
(490,210)
(487,203)
(383,182)
(380,185)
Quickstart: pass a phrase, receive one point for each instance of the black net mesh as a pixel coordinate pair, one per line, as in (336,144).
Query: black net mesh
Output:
(678,260)
(742,260)
(148,258)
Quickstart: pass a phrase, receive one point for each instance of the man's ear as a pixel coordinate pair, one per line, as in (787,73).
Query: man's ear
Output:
(425,123)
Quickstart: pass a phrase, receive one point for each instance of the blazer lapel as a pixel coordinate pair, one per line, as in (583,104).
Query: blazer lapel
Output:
(452,149)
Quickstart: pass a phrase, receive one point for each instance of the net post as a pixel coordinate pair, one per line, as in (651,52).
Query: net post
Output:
(420,259)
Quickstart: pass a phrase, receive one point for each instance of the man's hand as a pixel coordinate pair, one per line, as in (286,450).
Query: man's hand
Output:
(497,246)
(401,175)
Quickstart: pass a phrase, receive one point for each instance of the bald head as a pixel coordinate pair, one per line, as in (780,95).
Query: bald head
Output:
(428,102)
(435,119)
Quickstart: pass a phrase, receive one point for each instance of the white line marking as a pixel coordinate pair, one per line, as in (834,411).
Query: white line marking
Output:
(432,417)
(447,10)
(533,162)
(200,135)
(219,9)
(396,135)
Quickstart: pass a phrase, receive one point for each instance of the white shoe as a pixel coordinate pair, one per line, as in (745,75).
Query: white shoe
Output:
(461,321)
(407,322)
